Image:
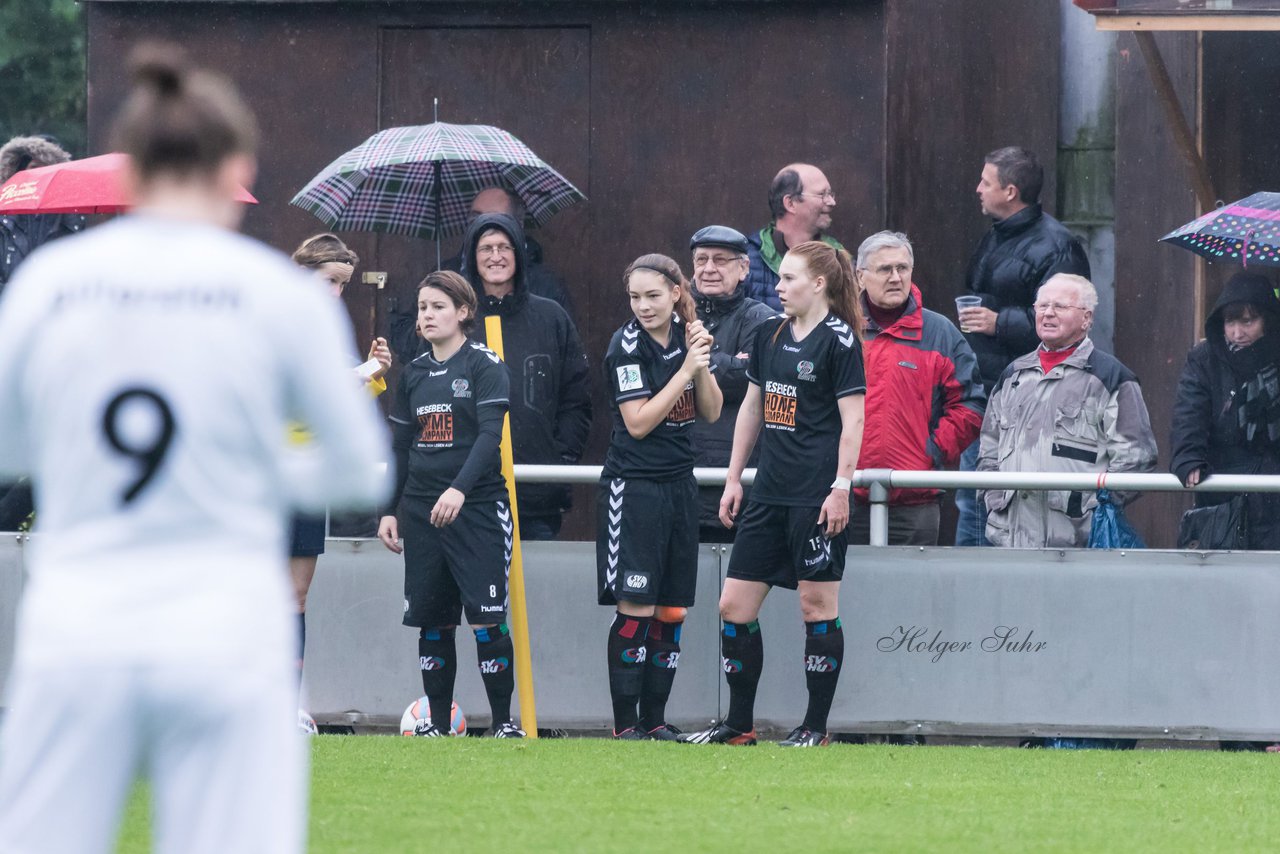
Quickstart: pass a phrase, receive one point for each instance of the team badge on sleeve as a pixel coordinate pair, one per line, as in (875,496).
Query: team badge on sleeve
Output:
(629,378)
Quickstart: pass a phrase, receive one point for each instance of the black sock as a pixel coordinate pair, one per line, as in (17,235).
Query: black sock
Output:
(496,655)
(742,648)
(439,661)
(663,652)
(626,667)
(823,652)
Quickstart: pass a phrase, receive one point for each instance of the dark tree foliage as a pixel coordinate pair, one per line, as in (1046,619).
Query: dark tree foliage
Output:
(42,71)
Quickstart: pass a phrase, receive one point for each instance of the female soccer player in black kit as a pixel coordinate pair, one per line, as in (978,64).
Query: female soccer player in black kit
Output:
(658,370)
(807,389)
(452,502)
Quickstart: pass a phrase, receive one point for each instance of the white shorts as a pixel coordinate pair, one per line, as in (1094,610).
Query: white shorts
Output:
(219,744)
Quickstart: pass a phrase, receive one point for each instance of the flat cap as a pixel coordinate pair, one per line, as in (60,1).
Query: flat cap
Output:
(719,235)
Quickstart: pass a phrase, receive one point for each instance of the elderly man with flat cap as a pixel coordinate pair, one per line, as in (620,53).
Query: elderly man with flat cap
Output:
(720,265)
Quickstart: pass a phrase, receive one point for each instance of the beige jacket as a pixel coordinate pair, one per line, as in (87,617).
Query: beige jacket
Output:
(1085,415)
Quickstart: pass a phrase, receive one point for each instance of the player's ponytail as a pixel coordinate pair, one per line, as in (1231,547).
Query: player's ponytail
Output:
(669,270)
(178,119)
(836,267)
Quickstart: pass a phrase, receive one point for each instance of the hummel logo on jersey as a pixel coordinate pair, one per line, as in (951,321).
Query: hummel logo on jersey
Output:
(616,487)
(635,655)
(667,357)
(820,664)
(437,373)
(637,581)
(843,333)
(492,356)
(431,662)
(629,336)
(494,665)
(629,378)
(790,349)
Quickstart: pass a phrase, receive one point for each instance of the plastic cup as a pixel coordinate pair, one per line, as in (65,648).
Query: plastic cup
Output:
(967,301)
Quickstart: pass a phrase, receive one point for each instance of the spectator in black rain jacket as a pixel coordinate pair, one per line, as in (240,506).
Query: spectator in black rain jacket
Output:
(550,388)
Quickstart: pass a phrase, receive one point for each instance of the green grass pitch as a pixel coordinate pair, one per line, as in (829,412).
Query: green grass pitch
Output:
(390,794)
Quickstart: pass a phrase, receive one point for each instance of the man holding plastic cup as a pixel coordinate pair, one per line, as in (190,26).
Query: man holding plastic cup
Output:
(1023,249)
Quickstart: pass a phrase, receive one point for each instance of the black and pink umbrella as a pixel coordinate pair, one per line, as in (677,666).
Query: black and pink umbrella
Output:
(1244,232)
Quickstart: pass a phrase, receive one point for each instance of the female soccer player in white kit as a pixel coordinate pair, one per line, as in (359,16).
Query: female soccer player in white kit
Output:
(148,369)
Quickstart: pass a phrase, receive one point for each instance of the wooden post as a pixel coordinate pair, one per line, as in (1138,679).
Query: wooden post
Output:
(1182,135)
(519,613)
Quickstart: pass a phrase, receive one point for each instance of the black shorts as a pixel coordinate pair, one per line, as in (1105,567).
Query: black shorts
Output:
(460,566)
(781,546)
(307,537)
(647,541)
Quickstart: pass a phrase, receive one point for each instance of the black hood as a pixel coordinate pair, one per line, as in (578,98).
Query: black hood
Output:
(482,223)
(1253,288)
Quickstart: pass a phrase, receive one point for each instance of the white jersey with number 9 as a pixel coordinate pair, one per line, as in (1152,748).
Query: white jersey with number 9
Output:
(150,408)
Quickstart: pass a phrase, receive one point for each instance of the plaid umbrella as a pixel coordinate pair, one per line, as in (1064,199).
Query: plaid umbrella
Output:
(1244,231)
(419,181)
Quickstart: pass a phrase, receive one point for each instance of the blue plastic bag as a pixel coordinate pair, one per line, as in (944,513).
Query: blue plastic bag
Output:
(1110,529)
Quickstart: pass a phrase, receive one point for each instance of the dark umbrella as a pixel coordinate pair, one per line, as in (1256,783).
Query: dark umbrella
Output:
(1247,231)
(419,181)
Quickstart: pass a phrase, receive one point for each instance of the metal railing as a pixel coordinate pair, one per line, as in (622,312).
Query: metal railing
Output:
(878,482)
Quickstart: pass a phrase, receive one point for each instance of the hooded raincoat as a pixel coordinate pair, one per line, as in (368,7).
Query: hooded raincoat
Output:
(1226,419)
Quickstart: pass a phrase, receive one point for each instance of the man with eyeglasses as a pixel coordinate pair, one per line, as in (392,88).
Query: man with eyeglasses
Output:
(924,400)
(1064,407)
(800,202)
(719,267)
(550,383)
(1024,247)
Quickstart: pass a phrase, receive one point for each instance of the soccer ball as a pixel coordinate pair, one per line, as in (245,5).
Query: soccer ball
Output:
(420,709)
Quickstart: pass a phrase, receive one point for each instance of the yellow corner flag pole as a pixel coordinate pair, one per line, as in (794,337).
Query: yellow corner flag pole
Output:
(519,612)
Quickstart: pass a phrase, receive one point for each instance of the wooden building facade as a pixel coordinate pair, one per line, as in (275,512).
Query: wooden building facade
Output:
(668,115)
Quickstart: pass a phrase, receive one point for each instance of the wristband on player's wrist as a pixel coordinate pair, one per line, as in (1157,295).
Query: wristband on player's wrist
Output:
(842,483)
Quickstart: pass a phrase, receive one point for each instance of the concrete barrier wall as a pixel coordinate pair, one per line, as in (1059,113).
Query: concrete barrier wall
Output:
(11,553)
(956,641)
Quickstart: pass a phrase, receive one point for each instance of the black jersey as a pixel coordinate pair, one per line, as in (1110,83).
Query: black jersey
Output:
(800,383)
(441,400)
(637,367)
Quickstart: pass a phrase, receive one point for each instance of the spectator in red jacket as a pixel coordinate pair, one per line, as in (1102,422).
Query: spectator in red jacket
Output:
(924,398)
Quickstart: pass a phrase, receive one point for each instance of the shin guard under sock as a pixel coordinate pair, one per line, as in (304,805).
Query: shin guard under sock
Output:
(823,654)
(496,656)
(742,651)
(438,659)
(627,655)
(663,652)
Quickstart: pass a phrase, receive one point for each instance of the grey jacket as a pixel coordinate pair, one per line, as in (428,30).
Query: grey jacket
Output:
(1085,415)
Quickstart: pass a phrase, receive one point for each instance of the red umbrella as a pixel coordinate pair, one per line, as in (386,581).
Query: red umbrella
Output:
(93,185)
